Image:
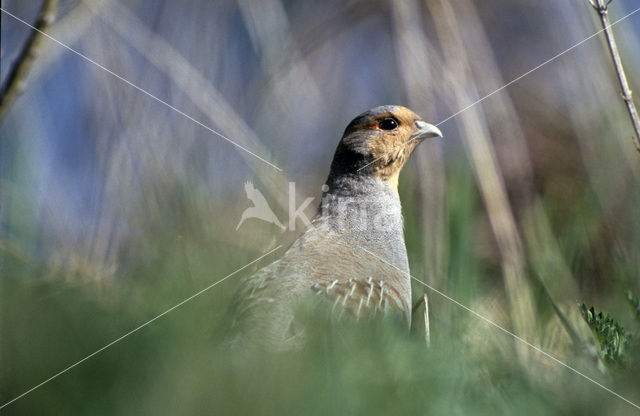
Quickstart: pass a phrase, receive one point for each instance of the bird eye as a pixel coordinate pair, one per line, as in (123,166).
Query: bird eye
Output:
(388,124)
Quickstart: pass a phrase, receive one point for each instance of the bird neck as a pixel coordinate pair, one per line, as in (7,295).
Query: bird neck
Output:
(352,168)
(365,209)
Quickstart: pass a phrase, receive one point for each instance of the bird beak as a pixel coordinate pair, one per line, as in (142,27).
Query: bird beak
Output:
(426,130)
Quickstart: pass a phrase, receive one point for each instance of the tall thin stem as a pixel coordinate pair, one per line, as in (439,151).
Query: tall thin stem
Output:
(602,6)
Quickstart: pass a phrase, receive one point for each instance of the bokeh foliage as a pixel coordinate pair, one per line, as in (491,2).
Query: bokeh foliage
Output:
(114,208)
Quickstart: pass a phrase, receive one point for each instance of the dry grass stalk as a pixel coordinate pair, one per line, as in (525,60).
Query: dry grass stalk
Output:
(492,187)
(418,69)
(195,86)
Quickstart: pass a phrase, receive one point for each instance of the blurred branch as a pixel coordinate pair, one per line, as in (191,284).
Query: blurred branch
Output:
(10,249)
(269,30)
(419,68)
(571,331)
(69,29)
(202,93)
(602,7)
(515,160)
(477,142)
(16,79)
(324,30)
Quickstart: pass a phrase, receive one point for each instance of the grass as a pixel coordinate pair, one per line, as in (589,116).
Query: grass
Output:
(178,364)
(114,209)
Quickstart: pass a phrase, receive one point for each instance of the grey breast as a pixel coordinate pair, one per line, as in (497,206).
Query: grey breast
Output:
(354,255)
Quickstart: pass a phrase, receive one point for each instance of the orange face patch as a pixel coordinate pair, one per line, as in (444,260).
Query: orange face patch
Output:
(385,135)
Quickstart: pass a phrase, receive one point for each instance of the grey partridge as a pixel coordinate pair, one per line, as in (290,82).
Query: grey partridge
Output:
(354,252)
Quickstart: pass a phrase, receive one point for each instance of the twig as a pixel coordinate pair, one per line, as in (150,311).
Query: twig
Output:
(601,6)
(427,329)
(16,79)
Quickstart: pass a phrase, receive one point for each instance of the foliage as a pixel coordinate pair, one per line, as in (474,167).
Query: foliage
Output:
(180,364)
(612,338)
(114,208)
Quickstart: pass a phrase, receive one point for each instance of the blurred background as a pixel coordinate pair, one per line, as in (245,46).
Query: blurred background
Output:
(114,207)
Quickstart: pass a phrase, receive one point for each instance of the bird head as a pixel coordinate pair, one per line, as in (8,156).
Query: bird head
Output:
(378,142)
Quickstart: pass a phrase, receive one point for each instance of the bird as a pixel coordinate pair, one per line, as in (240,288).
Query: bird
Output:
(353,255)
